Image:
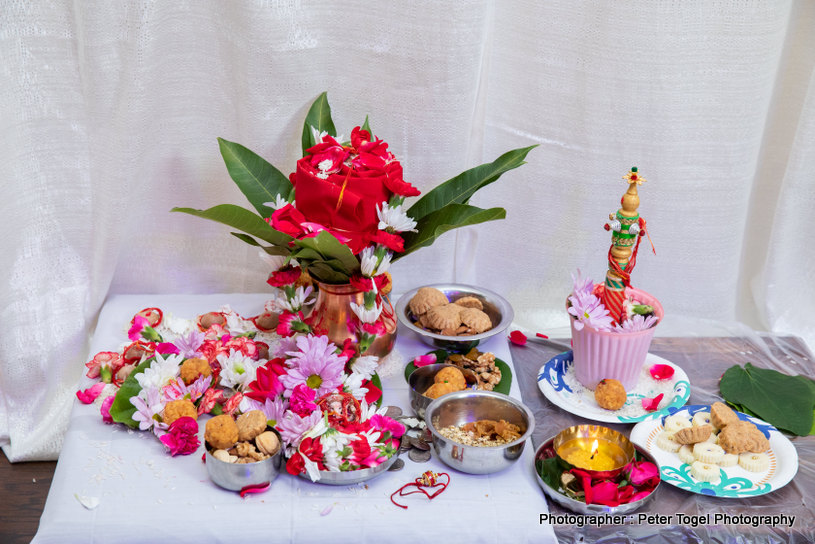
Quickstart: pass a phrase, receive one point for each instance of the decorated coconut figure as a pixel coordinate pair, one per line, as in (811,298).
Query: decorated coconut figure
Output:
(626,228)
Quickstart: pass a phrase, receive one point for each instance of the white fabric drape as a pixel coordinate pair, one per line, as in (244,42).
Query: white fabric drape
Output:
(109,113)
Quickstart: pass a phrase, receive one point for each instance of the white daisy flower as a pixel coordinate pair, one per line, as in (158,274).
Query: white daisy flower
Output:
(364,315)
(369,262)
(365,366)
(276,262)
(333,443)
(160,371)
(278,203)
(353,384)
(394,218)
(237,370)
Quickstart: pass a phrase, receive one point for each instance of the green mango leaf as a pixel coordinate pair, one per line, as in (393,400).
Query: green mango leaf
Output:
(122,410)
(319,117)
(258,180)
(460,188)
(324,273)
(241,219)
(366,126)
(449,217)
(781,400)
(329,248)
(271,250)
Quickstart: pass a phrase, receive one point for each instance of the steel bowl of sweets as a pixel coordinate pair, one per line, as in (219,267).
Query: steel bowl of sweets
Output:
(479,432)
(430,382)
(455,317)
(242,453)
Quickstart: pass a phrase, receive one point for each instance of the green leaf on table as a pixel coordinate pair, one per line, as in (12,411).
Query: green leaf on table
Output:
(318,118)
(460,188)
(122,410)
(451,216)
(241,219)
(784,401)
(258,180)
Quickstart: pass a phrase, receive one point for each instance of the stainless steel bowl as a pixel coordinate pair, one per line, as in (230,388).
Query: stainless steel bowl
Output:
(423,377)
(495,306)
(581,507)
(468,406)
(328,477)
(234,476)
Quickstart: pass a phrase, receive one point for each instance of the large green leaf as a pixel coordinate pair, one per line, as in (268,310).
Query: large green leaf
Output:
(323,272)
(447,218)
(121,411)
(271,250)
(460,188)
(258,180)
(781,400)
(319,117)
(328,248)
(241,219)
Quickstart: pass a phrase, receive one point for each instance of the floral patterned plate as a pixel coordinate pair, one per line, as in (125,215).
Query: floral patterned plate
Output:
(735,481)
(558,383)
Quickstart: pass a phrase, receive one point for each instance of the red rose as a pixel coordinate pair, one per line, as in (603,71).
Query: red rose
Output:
(288,220)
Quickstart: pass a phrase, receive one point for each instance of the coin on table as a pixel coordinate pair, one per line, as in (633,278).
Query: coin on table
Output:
(418,443)
(405,444)
(393,412)
(397,465)
(419,456)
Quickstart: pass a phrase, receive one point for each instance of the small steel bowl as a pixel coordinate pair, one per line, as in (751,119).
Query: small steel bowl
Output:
(495,306)
(468,406)
(581,507)
(236,476)
(350,477)
(422,378)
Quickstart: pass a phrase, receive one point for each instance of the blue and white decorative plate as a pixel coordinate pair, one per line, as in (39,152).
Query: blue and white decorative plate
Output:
(735,482)
(558,383)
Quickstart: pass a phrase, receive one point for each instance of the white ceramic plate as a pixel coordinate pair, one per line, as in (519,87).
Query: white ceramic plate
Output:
(735,482)
(558,383)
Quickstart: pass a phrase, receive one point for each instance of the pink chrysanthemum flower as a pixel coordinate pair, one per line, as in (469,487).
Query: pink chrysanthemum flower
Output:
(590,311)
(636,323)
(316,364)
(292,427)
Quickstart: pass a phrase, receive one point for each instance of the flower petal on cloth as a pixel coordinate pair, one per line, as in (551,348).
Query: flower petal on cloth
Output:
(518,338)
(89,395)
(651,405)
(661,372)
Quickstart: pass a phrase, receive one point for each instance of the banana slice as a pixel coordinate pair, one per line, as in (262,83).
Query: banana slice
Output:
(708,453)
(729,460)
(701,418)
(685,454)
(704,472)
(754,462)
(665,442)
(675,423)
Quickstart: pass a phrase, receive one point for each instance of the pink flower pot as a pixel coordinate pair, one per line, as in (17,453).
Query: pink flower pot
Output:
(600,355)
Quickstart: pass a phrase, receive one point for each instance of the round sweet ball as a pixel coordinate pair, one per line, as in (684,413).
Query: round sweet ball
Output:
(268,443)
(452,376)
(221,432)
(250,425)
(192,368)
(176,409)
(610,394)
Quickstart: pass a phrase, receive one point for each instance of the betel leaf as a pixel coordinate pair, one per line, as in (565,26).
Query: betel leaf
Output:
(319,118)
(784,401)
(550,470)
(122,410)
(258,180)
(241,219)
(502,386)
(460,188)
(449,217)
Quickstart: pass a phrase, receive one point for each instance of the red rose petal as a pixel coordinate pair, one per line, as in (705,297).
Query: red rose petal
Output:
(541,335)
(662,372)
(518,338)
(650,405)
(424,360)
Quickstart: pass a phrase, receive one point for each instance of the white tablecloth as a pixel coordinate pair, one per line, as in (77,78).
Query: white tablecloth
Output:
(147,496)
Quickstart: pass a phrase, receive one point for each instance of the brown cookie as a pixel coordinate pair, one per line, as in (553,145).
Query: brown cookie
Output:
(693,435)
(426,298)
(742,437)
(476,320)
(250,425)
(470,302)
(721,415)
(446,317)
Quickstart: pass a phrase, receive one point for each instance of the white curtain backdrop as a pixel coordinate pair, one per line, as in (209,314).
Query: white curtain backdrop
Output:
(109,113)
